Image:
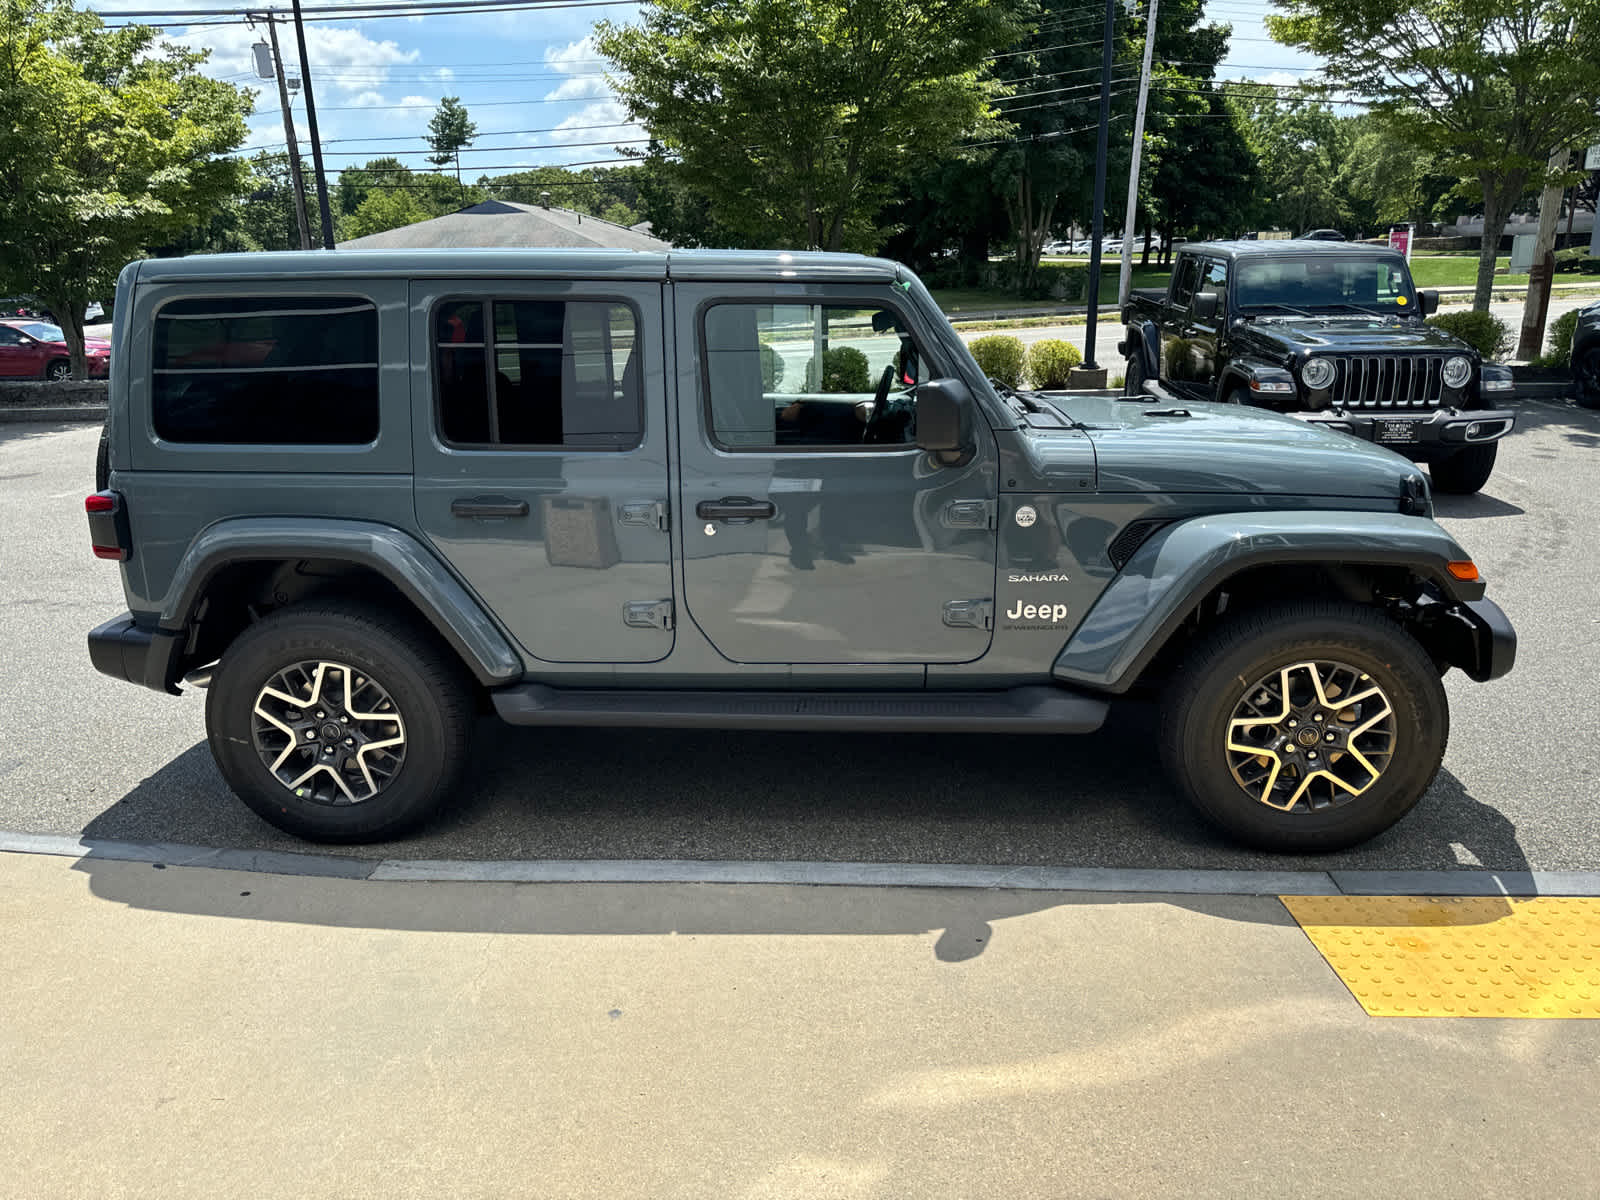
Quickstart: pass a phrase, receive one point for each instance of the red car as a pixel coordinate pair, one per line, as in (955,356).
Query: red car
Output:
(33,349)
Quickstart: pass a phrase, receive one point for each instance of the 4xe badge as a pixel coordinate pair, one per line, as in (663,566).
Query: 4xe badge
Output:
(1026,515)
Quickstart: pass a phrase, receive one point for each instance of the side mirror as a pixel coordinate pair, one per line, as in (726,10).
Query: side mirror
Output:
(944,407)
(1428,301)
(1204,306)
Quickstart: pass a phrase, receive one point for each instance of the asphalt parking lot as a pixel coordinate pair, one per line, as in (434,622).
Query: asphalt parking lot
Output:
(86,755)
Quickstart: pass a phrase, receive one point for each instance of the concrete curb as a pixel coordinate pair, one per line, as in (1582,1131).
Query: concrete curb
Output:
(89,414)
(826,874)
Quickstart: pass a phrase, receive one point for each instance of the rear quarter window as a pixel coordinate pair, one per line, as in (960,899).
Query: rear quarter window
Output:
(266,370)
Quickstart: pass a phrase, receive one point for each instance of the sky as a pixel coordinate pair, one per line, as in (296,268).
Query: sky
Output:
(531,81)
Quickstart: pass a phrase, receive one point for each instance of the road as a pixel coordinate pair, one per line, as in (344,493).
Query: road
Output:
(1519,789)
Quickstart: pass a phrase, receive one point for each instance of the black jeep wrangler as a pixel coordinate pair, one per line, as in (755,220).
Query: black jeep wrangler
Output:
(1333,333)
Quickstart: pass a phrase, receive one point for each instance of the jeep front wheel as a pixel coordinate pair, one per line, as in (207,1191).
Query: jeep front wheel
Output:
(339,723)
(1465,471)
(1306,727)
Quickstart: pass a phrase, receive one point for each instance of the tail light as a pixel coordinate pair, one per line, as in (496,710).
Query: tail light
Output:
(108,526)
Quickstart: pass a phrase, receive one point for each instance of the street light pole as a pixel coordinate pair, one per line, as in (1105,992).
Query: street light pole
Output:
(1099,222)
(289,139)
(311,123)
(1126,277)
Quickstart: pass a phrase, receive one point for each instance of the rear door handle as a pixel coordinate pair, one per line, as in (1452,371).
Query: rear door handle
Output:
(488,506)
(735,508)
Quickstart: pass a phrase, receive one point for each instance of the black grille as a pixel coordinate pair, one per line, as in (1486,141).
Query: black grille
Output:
(1387,380)
(1133,535)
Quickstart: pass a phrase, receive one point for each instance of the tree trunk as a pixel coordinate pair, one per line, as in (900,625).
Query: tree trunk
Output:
(1145,261)
(69,315)
(1494,225)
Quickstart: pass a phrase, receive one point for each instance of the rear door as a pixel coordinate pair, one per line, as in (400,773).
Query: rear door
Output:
(1180,364)
(541,458)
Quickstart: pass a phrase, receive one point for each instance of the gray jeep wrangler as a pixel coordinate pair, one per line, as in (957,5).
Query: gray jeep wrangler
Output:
(362,496)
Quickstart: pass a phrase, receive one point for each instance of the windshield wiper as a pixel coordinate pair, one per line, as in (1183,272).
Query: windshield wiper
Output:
(1288,308)
(1361,308)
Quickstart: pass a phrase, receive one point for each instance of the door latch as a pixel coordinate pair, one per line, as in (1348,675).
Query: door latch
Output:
(969,614)
(652,514)
(648,614)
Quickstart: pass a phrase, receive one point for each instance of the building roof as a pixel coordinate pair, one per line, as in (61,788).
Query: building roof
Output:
(499,224)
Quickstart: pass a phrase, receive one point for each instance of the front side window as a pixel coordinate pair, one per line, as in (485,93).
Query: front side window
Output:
(538,373)
(266,370)
(1183,282)
(799,375)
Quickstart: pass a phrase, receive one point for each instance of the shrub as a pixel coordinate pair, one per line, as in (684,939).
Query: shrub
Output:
(1050,361)
(1577,259)
(771,368)
(1485,333)
(1051,281)
(844,369)
(1561,332)
(1000,358)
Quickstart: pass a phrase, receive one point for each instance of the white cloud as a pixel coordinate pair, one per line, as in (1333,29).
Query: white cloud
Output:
(444,74)
(342,59)
(588,87)
(575,56)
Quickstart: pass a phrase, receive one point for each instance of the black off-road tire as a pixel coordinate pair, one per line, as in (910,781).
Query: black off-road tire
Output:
(1465,471)
(1219,672)
(1133,378)
(426,682)
(1586,376)
(102,460)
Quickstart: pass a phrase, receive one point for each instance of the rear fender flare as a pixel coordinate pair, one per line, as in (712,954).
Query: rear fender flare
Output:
(397,556)
(1144,343)
(1178,566)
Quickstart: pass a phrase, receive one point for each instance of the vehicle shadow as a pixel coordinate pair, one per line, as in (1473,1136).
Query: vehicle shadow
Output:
(1476,505)
(1579,426)
(661,796)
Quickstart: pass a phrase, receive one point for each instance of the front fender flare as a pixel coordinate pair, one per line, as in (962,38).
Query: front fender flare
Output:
(1178,566)
(392,553)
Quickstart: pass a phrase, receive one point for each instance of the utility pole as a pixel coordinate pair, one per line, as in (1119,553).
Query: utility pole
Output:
(1091,374)
(1126,277)
(288,135)
(1530,344)
(311,122)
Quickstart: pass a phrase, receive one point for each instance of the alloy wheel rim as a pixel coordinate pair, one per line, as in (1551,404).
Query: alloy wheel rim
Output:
(328,732)
(1311,736)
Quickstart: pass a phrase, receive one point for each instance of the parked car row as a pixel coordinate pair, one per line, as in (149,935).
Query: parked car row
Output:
(36,349)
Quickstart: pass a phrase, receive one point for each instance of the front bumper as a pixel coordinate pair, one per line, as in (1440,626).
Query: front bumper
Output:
(1479,639)
(1419,435)
(142,654)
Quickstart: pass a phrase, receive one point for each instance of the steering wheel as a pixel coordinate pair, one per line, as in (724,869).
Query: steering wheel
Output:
(878,400)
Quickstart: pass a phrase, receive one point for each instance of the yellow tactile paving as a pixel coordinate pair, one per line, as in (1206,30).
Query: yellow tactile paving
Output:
(1410,956)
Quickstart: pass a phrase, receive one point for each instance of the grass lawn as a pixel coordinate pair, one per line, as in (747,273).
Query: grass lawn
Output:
(1453,270)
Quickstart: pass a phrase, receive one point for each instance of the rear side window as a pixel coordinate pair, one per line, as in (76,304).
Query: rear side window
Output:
(1184,280)
(538,373)
(267,370)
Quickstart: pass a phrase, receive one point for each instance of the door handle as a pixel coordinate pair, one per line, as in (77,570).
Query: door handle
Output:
(735,508)
(488,506)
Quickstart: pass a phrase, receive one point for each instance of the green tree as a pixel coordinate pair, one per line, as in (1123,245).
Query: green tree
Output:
(795,117)
(1300,145)
(449,132)
(1387,181)
(109,144)
(1488,88)
(1207,178)
(383,209)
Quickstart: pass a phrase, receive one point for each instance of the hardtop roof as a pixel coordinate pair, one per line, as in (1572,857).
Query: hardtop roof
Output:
(797,265)
(1256,248)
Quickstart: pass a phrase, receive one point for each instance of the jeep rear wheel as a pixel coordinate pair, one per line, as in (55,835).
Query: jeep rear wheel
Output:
(1307,727)
(339,723)
(1465,471)
(1133,377)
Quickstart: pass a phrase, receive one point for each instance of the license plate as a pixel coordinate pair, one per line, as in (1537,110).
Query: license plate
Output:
(1398,431)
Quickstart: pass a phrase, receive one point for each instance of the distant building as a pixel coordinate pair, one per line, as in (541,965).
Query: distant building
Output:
(504,224)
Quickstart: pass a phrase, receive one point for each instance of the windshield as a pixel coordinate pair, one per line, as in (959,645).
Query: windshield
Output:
(1326,281)
(42,330)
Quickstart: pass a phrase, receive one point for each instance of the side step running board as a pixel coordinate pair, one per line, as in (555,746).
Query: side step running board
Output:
(1018,710)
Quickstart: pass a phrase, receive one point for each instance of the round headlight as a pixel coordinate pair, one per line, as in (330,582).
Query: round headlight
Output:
(1317,373)
(1457,370)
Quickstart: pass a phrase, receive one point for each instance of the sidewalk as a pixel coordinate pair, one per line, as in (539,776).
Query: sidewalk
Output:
(181,1031)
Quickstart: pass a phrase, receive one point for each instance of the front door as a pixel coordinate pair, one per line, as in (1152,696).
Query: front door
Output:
(814,530)
(541,458)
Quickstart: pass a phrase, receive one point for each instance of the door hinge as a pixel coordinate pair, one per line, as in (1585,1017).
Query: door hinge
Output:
(969,614)
(649,513)
(971,514)
(648,614)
